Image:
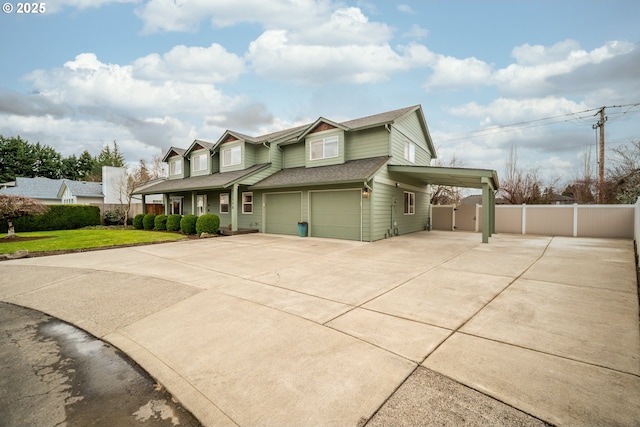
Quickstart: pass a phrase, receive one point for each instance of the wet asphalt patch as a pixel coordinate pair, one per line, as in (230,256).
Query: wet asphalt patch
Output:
(52,373)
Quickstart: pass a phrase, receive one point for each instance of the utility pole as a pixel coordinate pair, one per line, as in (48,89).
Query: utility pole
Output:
(600,125)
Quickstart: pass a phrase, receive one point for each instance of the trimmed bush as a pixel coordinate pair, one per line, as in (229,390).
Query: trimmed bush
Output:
(58,217)
(160,222)
(148,222)
(188,224)
(173,222)
(137,222)
(208,223)
(114,217)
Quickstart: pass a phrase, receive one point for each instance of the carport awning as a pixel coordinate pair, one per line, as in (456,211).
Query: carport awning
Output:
(486,179)
(453,177)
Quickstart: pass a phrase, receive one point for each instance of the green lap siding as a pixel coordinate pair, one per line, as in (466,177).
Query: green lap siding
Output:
(335,214)
(282,212)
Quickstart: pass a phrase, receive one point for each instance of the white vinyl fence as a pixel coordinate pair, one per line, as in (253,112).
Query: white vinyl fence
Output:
(607,221)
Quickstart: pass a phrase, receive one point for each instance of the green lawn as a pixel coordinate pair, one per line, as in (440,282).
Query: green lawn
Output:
(83,239)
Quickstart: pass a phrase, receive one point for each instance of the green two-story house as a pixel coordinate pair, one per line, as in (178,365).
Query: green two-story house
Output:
(363,179)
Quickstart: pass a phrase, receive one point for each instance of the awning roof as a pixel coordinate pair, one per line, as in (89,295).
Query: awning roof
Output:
(453,177)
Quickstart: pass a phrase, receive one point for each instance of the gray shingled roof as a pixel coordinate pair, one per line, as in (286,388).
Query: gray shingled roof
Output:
(35,188)
(84,188)
(351,171)
(378,119)
(216,180)
(49,189)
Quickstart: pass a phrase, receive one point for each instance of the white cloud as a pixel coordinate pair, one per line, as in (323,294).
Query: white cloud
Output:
(535,65)
(93,86)
(273,55)
(416,32)
(449,72)
(405,8)
(170,15)
(191,64)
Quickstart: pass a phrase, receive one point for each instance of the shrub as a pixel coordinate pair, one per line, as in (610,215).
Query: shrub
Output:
(137,222)
(188,224)
(58,217)
(208,223)
(148,221)
(173,222)
(114,217)
(160,222)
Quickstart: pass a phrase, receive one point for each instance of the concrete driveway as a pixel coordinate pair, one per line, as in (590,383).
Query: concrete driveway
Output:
(432,328)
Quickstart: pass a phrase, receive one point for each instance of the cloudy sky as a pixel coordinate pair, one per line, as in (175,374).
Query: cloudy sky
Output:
(489,75)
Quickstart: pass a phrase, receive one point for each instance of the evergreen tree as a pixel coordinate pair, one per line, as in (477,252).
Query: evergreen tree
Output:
(17,158)
(107,157)
(48,162)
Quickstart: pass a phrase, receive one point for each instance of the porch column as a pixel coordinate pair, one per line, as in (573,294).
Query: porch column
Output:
(165,202)
(193,203)
(488,210)
(234,208)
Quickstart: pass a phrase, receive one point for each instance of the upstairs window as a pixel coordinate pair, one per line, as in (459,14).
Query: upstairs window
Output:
(199,162)
(324,148)
(175,167)
(232,156)
(409,203)
(410,151)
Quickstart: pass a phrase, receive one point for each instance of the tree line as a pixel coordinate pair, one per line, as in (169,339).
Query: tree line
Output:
(20,158)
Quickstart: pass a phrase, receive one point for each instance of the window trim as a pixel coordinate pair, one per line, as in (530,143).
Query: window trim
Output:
(409,203)
(230,150)
(180,201)
(197,159)
(176,165)
(245,203)
(409,151)
(325,141)
(227,204)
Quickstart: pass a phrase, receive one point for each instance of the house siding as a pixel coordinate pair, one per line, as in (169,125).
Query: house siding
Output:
(294,155)
(388,207)
(409,128)
(367,143)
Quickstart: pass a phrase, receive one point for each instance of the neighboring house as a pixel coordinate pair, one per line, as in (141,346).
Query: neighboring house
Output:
(363,179)
(109,193)
(56,191)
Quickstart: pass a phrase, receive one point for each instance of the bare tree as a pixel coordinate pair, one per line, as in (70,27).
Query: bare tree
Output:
(444,194)
(14,207)
(158,168)
(129,183)
(624,174)
(520,185)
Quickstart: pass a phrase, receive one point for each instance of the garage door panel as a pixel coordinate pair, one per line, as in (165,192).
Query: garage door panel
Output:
(282,213)
(336,214)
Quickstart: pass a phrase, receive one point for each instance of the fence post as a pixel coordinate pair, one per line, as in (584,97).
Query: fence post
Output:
(575,220)
(524,218)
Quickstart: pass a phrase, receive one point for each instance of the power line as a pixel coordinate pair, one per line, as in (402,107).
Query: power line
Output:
(537,122)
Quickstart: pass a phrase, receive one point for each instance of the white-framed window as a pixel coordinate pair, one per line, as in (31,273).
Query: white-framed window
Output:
(410,151)
(201,204)
(232,156)
(175,167)
(224,203)
(409,203)
(324,148)
(247,203)
(199,162)
(176,205)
